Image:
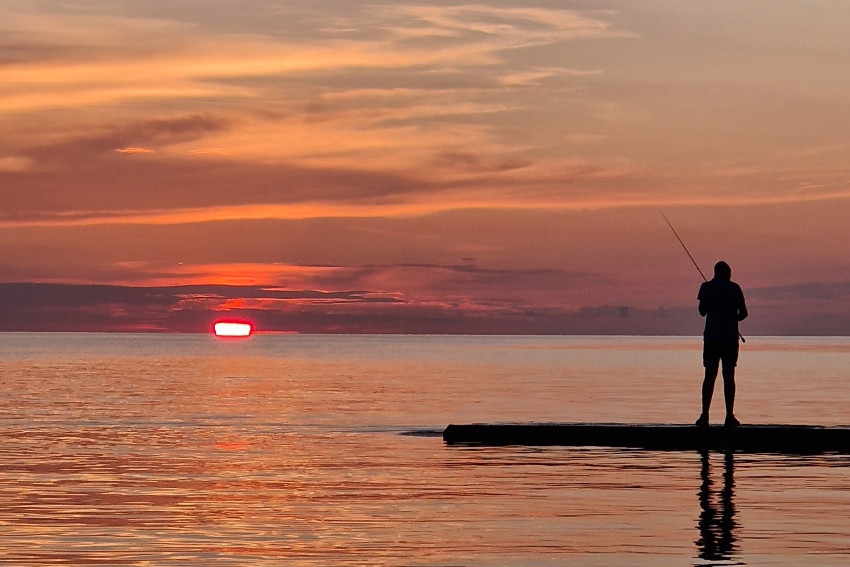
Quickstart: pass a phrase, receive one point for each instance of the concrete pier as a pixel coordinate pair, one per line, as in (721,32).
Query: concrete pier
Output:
(797,439)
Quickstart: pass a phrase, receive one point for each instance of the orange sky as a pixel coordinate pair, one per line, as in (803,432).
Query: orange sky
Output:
(431,166)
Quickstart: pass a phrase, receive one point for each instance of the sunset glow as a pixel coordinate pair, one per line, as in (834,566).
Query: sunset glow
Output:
(490,167)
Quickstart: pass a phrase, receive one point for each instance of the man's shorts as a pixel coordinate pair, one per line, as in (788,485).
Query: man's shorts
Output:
(715,351)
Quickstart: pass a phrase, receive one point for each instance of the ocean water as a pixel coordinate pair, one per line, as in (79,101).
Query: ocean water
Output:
(161,450)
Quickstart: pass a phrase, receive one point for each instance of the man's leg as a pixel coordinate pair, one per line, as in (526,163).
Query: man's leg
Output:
(708,386)
(729,389)
(711,362)
(730,360)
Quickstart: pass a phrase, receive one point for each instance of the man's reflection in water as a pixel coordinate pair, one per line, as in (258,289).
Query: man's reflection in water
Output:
(717,519)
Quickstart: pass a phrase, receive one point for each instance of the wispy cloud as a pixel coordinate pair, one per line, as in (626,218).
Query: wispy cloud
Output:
(162,65)
(810,291)
(15,163)
(503,27)
(147,59)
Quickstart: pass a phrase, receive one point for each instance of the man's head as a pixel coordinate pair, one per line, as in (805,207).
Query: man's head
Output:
(722,270)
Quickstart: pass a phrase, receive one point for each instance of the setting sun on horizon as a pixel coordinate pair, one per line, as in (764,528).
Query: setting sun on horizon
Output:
(232,329)
(385,167)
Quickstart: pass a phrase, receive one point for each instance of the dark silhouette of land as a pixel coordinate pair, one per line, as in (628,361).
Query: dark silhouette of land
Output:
(192,309)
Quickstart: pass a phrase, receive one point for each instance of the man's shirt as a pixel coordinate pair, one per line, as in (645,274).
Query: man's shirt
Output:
(722,303)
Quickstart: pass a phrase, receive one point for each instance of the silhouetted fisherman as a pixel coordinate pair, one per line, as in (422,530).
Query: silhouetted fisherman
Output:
(721,302)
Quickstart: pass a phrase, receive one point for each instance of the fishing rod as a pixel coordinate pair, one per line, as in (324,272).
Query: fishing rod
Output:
(743,340)
(683,246)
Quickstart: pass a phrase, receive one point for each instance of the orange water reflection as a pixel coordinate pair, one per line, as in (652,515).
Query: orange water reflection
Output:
(286,449)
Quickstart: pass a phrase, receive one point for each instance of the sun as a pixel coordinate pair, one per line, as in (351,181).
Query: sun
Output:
(233,329)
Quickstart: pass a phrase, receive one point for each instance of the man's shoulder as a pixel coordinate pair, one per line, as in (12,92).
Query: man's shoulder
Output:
(715,286)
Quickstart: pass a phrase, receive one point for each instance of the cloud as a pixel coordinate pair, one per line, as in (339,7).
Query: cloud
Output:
(156,133)
(536,77)
(412,114)
(52,307)
(810,291)
(497,26)
(193,308)
(135,151)
(324,116)
(15,163)
(158,59)
(25,306)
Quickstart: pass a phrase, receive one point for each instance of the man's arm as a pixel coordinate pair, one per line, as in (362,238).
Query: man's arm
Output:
(701,297)
(742,306)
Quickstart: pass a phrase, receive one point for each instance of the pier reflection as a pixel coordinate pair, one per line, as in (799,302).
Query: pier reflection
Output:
(717,520)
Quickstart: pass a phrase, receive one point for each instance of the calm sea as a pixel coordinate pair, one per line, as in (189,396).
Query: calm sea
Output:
(163,450)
